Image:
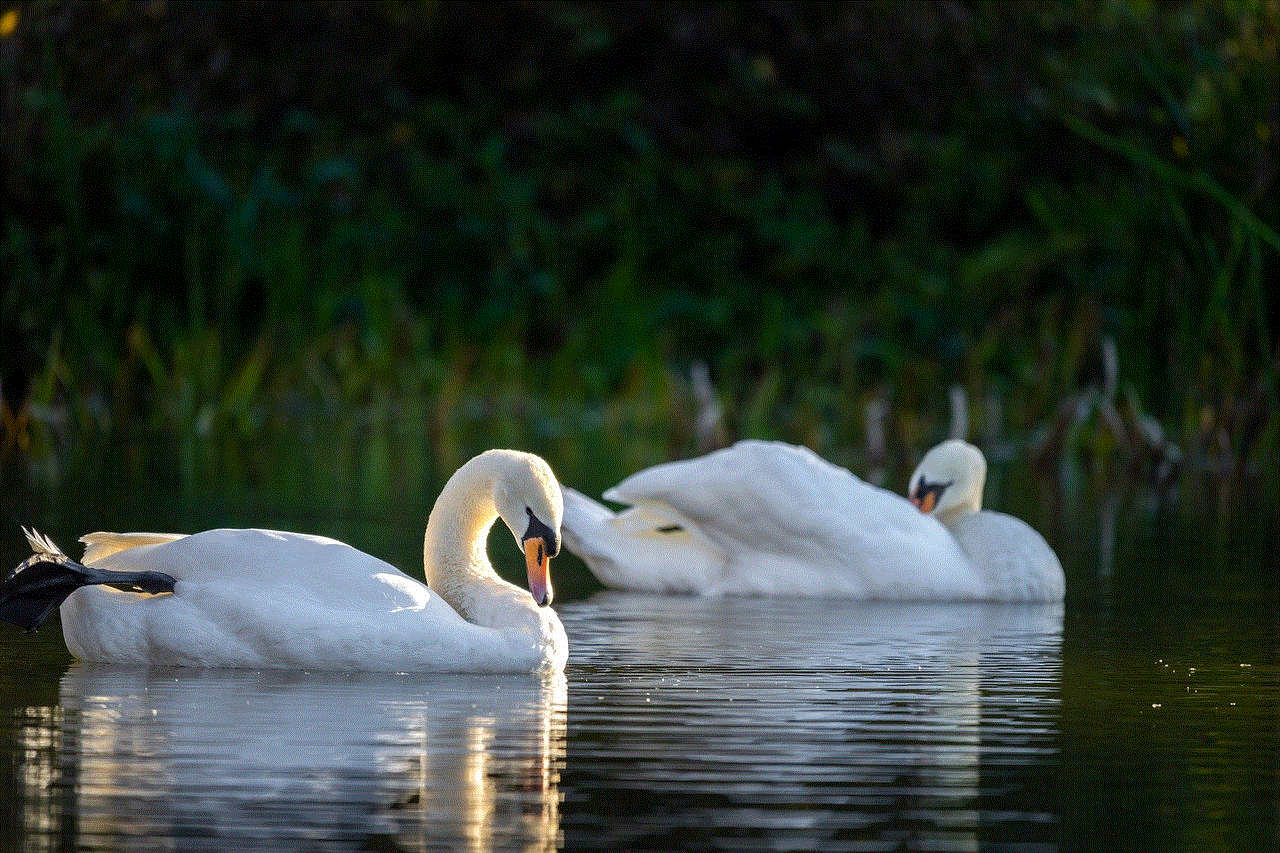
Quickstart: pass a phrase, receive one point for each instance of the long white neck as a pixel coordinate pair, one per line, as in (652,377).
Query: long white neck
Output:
(453,551)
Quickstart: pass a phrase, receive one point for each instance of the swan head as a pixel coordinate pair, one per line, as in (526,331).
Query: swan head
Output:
(529,502)
(949,480)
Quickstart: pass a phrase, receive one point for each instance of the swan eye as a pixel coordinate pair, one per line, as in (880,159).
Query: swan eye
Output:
(539,530)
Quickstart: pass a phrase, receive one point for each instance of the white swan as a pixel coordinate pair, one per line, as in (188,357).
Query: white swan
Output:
(262,598)
(765,518)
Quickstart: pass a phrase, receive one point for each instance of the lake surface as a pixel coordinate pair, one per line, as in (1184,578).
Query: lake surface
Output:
(1140,715)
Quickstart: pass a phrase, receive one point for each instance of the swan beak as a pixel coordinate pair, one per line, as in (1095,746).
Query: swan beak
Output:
(538,563)
(926,495)
(925,502)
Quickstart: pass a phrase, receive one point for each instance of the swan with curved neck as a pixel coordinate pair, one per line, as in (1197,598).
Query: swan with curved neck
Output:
(499,484)
(263,598)
(766,518)
(949,480)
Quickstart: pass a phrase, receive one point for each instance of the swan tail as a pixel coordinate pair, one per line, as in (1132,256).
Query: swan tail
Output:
(648,548)
(40,583)
(581,511)
(581,522)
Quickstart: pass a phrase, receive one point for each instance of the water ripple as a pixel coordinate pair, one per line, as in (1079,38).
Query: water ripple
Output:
(790,724)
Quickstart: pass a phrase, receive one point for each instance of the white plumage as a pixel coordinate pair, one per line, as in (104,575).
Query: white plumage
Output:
(263,598)
(765,518)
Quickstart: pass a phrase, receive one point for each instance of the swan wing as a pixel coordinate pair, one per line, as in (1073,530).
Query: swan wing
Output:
(752,497)
(789,522)
(103,544)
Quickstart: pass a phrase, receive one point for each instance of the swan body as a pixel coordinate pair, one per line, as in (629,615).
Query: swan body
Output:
(271,599)
(766,518)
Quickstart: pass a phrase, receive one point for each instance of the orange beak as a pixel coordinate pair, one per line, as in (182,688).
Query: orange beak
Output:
(538,565)
(926,503)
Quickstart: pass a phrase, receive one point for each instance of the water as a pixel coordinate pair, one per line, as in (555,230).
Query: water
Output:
(799,725)
(1140,715)
(226,760)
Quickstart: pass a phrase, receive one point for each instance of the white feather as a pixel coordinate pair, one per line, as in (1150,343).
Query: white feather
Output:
(270,599)
(766,518)
(103,544)
(42,545)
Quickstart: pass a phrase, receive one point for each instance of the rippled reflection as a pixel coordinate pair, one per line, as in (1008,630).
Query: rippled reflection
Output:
(227,760)
(812,724)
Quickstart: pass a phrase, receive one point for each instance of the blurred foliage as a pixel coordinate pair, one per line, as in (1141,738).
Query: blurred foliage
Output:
(238,217)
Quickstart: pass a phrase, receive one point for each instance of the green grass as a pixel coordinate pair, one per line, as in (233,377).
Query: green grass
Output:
(531,236)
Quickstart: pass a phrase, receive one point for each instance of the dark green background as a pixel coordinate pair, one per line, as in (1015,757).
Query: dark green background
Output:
(231,218)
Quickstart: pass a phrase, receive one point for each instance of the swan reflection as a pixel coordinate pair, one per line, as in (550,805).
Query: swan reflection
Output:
(272,760)
(818,723)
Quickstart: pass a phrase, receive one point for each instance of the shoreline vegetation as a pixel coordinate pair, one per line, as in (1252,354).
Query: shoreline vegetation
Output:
(646,230)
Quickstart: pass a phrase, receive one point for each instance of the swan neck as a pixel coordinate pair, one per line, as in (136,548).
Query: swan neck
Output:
(457,531)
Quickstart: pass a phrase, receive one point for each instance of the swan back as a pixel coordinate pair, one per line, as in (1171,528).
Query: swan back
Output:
(788,522)
(1016,562)
(100,545)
